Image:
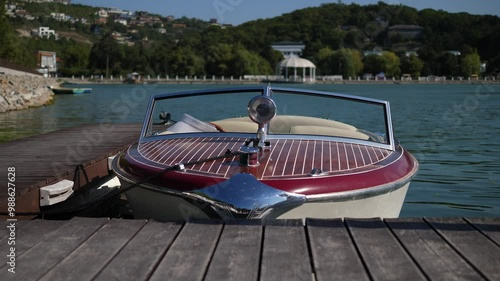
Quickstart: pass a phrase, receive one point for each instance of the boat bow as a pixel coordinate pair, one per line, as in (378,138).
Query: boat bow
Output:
(243,196)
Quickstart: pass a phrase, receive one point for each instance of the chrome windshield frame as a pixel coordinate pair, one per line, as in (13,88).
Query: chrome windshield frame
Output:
(268,91)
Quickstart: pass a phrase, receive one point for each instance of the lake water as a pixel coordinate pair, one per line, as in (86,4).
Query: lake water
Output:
(453,130)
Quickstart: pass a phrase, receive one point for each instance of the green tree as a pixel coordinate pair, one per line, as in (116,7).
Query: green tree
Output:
(248,63)
(218,59)
(346,62)
(349,62)
(391,64)
(323,60)
(388,63)
(184,61)
(7,40)
(448,65)
(106,55)
(412,65)
(471,65)
(373,64)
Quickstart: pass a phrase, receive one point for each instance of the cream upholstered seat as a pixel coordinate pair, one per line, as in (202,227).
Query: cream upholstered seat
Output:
(327,131)
(291,124)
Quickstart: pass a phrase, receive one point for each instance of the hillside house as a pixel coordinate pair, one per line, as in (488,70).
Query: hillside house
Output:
(102,13)
(115,11)
(46,62)
(122,21)
(59,16)
(46,32)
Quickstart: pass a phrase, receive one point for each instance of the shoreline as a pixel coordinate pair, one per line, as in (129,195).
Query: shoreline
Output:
(20,92)
(70,81)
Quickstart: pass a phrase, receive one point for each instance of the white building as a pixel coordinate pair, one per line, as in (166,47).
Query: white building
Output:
(122,21)
(47,62)
(289,49)
(46,32)
(59,16)
(102,13)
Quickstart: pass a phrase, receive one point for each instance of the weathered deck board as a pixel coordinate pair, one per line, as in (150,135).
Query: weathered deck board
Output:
(238,252)
(488,226)
(95,253)
(436,257)
(5,232)
(141,258)
(374,249)
(30,235)
(190,254)
(477,249)
(54,248)
(285,255)
(333,252)
(381,252)
(47,158)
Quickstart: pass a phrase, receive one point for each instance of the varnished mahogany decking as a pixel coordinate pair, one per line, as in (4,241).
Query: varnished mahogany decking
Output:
(285,158)
(78,154)
(354,249)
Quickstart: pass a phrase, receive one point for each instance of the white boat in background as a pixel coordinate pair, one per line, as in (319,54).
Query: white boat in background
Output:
(265,152)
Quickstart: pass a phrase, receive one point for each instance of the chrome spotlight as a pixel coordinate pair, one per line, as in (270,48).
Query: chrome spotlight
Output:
(261,110)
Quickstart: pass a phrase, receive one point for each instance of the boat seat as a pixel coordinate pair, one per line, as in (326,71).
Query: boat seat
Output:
(237,125)
(282,124)
(327,131)
(290,124)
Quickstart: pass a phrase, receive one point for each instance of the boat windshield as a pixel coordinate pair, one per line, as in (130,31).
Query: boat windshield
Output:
(299,113)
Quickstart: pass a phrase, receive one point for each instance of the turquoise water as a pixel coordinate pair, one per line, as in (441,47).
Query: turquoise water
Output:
(452,130)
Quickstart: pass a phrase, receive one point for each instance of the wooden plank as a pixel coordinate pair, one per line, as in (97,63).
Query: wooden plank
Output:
(5,232)
(87,260)
(27,236)
(55,247)
(434,255)
(488,226)
(383,255)
(237,256)
(56,154)
(285,254)
(138,259)
(333,252)
(480,251)
(190,254)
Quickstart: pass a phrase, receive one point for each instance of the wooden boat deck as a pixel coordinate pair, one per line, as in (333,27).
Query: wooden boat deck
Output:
(79,154)
(370,249)
(286,157)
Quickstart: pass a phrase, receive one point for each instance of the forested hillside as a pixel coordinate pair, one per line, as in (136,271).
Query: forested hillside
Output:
(336,37)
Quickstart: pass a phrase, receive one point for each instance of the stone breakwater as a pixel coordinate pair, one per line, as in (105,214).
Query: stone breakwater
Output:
(21,92)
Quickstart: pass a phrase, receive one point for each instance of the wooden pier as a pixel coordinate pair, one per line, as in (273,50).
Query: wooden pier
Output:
(79,154)
(353,249)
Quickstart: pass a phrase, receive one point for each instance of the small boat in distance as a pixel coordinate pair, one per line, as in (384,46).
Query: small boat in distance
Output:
(70,91)
(134,78)
(265,153)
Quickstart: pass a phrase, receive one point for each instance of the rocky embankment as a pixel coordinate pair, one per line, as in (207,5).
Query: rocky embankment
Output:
(22,91)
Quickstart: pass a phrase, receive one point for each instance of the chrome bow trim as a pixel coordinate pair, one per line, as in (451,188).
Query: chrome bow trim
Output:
(243,196)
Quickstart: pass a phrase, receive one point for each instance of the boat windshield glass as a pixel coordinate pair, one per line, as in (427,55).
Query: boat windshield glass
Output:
(297,113)
(196,111)
(330,116)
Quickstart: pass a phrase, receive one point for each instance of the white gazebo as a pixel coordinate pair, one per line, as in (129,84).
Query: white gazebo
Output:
(293,62)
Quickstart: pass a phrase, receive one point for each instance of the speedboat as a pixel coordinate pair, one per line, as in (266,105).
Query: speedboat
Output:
(265,153)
